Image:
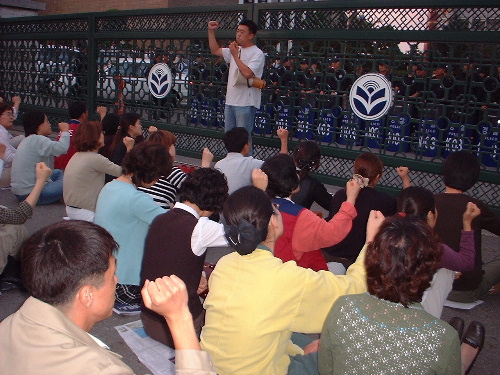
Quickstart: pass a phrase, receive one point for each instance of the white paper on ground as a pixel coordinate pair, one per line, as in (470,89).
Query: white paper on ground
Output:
(159,358)
(461,305)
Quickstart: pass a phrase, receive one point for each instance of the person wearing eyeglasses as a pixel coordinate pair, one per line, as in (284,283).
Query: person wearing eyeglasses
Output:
(8,114)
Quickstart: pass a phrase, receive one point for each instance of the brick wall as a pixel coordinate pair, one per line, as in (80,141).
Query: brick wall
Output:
(72,6)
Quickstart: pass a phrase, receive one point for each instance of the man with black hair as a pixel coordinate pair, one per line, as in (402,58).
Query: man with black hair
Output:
(79,114)
(460,172)
(69,270)
(237,166)
(245,59)
(177,242)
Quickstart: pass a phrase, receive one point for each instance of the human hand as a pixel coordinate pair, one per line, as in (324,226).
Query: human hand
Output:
(312,347)
(259,179)
(404,174)
(282,133)
(152,129)
(129,142)
(63,126)
(471,212)
(166,296)
(2,150)
(213,25)
(102,110)
(372,226)
(16,101)
(234,48)
(42,172)
(203,285)
(352,190)
(206,158)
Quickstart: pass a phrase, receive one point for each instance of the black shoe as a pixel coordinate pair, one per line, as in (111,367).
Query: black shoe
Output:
(474,336)
(458,324)
(6,285)
(11,275)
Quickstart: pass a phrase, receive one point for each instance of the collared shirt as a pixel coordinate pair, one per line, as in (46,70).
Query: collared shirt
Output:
(206,233)
(10,150)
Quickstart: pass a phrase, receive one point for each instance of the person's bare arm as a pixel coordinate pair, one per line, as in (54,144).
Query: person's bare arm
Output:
(42,174)
(243,68)
(168,297)
(3,148)
(102,111)
(16,103)
(283,136)
(206,158)
(352,190)
(212,41)
(375,220)
(471,212)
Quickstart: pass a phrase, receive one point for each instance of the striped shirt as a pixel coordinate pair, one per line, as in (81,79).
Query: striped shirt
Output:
(165,190)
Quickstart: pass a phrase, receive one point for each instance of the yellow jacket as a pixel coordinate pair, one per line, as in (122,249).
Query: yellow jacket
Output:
(255,303)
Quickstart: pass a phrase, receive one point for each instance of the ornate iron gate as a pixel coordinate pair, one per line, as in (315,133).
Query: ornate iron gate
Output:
(442,61)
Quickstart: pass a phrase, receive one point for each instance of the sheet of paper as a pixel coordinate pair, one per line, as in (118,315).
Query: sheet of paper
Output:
(462,306)
(159,358)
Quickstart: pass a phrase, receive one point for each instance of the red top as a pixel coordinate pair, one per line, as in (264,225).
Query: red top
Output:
(60,162)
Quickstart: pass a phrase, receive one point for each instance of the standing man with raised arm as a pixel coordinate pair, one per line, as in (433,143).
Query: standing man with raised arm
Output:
(245,59)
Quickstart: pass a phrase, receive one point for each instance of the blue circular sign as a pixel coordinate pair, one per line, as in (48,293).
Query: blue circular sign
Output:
(160,80)
(371,96)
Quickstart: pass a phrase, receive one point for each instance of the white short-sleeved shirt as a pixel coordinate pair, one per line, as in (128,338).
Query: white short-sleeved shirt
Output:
(242,95)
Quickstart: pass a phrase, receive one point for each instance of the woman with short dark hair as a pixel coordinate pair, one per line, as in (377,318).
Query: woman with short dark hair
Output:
(35,148)
(307,157)
(387,330)
(84,175)
(418,202)
(127,214)
(165,190)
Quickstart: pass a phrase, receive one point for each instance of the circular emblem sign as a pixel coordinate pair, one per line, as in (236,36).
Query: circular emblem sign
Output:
(160,80)
(371,96)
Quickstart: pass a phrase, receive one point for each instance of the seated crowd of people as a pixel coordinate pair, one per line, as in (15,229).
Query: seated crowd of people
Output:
(371,278)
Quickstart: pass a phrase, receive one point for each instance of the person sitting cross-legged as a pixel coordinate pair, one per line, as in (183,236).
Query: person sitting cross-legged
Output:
(256,301)
(237,166)
(183,254)
(386,330)
(35,148)
(127,214)
(304,232)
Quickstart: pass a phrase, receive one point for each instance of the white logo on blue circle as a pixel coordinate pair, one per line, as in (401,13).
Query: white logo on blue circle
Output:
(160,80)
(371,96)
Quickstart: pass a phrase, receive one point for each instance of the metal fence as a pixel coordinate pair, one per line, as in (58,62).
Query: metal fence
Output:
(441,59)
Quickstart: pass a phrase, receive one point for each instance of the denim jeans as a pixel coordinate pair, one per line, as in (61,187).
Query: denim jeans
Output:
(240,117)
(52,192)
(303,364)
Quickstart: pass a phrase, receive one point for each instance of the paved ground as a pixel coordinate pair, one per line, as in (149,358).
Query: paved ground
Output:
(488,362)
